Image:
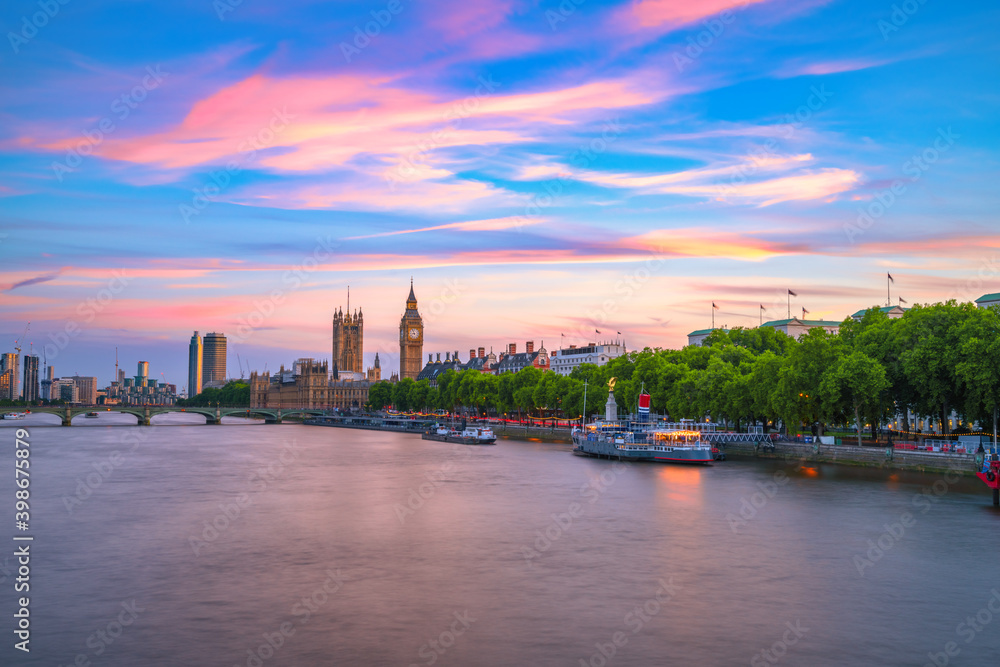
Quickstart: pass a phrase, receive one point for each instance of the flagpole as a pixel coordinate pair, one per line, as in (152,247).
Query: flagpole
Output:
(789,298)
(888,292)
(713,315)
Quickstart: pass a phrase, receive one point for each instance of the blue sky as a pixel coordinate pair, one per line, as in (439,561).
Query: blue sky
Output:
(541,173)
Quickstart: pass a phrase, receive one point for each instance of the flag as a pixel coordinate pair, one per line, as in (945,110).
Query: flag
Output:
(619,333)
(762,307)
(597,331)
(791,293)
(890,278)
(902,300)
(563,335)
(714,306)
(804,312)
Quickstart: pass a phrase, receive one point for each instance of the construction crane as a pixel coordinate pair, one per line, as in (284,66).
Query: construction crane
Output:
(17,343)
(240,363)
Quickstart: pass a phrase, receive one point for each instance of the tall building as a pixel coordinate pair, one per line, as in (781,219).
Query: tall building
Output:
(46,389)
(374,374)
(411,339)
(30,391)
(9,383)
(142,369)
(348,341)
(194,366)
(213,361)
(87,387)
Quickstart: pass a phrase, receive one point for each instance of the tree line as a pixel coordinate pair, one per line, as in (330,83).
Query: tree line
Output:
(933,360)
(232,394)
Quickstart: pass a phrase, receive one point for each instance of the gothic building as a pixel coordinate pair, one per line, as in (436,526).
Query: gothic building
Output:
(374,374)
(348,342)
(411,339)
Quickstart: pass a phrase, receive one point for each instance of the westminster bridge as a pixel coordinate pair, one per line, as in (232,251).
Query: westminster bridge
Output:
(144,413)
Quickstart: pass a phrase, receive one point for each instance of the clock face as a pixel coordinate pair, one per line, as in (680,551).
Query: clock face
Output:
(414,334)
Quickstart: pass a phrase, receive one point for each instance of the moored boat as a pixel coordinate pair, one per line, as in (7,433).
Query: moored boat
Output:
(14,415)
(990,474)
(617,441)
(467,436)
(91,415)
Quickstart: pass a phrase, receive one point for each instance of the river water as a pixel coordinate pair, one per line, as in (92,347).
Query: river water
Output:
(338,547)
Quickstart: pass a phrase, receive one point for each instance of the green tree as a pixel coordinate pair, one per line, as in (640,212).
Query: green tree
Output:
(857,381)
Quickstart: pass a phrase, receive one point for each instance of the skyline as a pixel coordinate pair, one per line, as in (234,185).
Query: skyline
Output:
(523,163)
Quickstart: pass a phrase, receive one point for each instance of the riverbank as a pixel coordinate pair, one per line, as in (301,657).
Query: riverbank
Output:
(871,457)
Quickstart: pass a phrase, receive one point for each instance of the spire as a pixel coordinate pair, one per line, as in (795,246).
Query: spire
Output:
(412,297)
(377,365)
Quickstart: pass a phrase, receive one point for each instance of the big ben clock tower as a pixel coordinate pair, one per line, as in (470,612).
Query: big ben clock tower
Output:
(411,339)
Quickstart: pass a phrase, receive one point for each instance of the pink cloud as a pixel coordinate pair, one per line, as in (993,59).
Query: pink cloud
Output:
(653,13)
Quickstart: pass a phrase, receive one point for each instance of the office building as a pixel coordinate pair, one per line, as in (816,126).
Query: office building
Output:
(30,390)
(566,360)
(213,361)
(10,382)
(194,366)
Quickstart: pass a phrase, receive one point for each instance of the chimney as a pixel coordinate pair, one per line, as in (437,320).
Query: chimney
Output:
(482,352)
(472,355)
(447,356)
(430,358)
(512,348)
(455,356)
(439,357)
(529,347)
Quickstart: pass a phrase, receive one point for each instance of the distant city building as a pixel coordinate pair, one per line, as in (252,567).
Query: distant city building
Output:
(374,374)
(142,369)
(87,387)
(436,368)
(348,341)
(697,337)
(892,312)
(513,361)
(988,300)
(30,391)
(411,338)
(480,361)
(797,328)
(214,360)
(194,365)
(46,384)
(9,376)
(306,385)
(65,390)
(565,360)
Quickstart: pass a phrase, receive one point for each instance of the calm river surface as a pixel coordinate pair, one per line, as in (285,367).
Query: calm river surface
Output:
(367,548)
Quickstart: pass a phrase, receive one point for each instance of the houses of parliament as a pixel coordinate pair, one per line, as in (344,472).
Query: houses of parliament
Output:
(340,383)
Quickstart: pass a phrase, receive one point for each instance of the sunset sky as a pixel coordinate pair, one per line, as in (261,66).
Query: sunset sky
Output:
(540,169)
